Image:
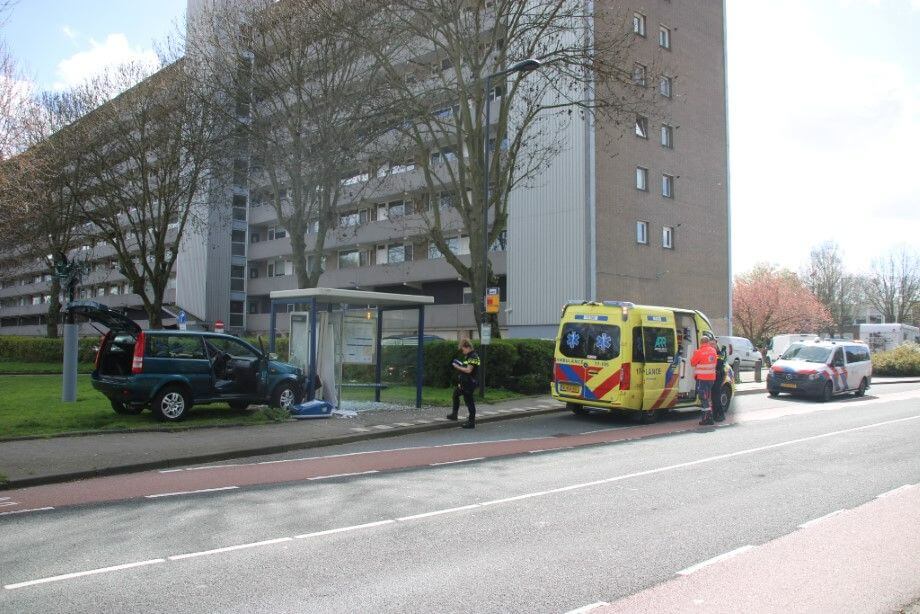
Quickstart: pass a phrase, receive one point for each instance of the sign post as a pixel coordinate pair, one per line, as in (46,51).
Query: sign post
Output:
(492,304)
(182,320)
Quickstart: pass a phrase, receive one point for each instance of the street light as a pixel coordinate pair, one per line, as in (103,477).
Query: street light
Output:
(522,66)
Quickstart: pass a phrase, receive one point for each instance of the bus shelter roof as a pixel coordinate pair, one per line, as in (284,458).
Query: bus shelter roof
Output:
(325,296)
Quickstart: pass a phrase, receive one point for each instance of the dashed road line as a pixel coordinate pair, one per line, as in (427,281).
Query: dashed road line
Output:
(79,574)
(894,491)
(815,521)
(454,462)
(366,525)
(267,542)
(342,475)
(587,608)
(449,510)
(189,492)
(714,560)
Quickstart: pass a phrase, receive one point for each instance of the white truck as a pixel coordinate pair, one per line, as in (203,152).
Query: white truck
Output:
(781,343)
(884,337)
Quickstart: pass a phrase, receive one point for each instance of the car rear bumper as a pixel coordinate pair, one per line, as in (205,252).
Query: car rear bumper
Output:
(124,389)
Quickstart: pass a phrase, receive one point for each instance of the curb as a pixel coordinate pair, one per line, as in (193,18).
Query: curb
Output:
(261,451)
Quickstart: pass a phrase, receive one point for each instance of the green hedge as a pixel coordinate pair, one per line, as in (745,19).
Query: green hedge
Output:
(521,365)
(42,349)
(903,361)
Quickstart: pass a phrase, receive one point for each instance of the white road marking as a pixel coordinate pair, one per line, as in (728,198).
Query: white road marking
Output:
(500,501)
(341,475)
(449,510)
(814,521)
(465,460)
(4,498)
(78,574)
(894,491)
(8,503)
(366,525)
(189,492)
(267,542)
(587,608)
(34,509)
(714,560)
(170,470)
(541,450)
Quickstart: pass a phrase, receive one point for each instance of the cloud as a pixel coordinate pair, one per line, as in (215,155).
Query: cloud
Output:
(823,142)
(70,33)
(85,64)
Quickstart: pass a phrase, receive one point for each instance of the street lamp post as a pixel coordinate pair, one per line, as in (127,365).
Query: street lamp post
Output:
(524,66)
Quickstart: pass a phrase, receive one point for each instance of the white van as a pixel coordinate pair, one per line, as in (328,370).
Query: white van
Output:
(780,343)
(740,352)
(822,369)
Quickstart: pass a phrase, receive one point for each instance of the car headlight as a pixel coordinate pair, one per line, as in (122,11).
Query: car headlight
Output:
(815,376)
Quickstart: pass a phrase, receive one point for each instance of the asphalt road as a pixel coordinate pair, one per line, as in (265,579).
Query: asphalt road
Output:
(530,529)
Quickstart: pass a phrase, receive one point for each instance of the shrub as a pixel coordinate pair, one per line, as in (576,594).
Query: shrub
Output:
(42,349)
(903,361)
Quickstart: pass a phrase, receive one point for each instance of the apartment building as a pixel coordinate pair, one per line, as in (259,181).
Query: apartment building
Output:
(637,212)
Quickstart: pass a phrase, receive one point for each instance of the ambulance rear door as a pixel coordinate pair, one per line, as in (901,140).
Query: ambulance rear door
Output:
(658,351)
(590,357)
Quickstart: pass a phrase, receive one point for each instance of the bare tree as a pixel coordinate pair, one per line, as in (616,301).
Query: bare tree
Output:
(827,278)
(145,158)
(12,92)
(436,56)
(44,222)
(893,286)
(298,91)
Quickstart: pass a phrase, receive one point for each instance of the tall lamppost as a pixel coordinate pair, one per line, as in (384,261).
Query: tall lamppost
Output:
(523,66)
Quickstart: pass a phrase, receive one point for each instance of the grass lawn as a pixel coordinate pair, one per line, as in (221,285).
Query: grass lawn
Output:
(14,366)
(31,405)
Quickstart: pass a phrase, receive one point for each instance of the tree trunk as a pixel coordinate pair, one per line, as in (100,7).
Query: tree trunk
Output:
(154,311)
(54,308)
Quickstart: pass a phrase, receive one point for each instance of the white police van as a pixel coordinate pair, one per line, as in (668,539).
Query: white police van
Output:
(822,369)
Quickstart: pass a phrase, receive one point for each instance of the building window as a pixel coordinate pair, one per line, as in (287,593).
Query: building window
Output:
(639,74)
(641,127)
(667,136)
(667,186)
(642,179)
(238,243)
(253,272)
(639,24)
(349,260)
(664,37)
(349,219)
(254,237)
(667,237)
(642,233)
(664,86)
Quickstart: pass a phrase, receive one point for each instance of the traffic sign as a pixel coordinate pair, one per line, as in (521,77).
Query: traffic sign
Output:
(485,334)
(219,326)
(182,320)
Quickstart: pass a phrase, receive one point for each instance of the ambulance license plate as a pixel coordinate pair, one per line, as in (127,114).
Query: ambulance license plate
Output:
(786,385)
(570,388)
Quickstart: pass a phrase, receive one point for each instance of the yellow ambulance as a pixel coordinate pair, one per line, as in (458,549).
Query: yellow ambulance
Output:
(617,356)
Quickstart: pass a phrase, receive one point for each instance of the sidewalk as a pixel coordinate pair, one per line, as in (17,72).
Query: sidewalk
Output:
(30,462)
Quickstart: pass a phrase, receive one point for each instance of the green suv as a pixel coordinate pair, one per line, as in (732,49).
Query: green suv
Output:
(170,371)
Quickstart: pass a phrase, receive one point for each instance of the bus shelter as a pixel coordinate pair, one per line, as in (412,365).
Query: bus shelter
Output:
(317,300)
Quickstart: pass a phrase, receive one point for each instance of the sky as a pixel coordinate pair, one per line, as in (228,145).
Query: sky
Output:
(824,107)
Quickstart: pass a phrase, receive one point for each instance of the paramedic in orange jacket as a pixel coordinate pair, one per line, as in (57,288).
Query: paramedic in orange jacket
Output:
(704,361)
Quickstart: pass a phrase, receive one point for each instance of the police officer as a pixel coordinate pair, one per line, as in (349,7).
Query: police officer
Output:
(718,412)
(468,369)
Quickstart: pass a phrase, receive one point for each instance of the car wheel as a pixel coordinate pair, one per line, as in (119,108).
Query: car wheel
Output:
(285,395)
(126,409)
(238,405)
(861,391)
(828,393)
(725,399)
(171,404)
(736,366)
(649,417)
(575,408)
